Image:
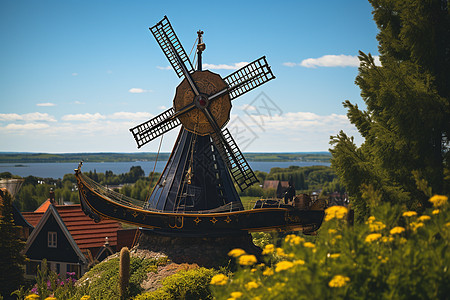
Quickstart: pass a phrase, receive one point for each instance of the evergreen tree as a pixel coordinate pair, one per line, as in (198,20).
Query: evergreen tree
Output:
(406,124)
(11,272)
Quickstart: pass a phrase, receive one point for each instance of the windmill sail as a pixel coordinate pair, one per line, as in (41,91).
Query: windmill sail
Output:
(237,164)
(249,77)
(168,40)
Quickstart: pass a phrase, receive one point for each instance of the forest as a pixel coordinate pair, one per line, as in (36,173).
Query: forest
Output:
(137,185)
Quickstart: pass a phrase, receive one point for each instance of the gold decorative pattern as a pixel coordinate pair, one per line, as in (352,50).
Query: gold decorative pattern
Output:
(227,220)
(208,83)
(214,220)
(197,220)
(135,214)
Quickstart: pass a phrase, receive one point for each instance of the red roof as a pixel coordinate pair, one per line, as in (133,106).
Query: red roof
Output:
(44,206)
(85,232)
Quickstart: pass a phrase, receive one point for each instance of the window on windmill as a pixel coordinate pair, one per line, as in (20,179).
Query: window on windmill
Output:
(52,239)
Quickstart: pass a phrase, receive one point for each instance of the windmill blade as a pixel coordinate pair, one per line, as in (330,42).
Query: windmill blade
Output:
(249,77)
(171,46)
(237,164)
(155,127)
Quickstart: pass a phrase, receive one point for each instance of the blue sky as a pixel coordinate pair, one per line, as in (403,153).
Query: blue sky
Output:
(76,75)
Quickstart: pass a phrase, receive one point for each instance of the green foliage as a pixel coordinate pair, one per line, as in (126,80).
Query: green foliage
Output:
(191,284)
(305,180)
(102,281)
(393,255)
(405,125)
(12,261)
(49,284)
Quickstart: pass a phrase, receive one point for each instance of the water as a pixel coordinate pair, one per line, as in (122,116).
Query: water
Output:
(58,170)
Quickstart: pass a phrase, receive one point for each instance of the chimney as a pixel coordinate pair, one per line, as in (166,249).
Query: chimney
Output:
(51,196)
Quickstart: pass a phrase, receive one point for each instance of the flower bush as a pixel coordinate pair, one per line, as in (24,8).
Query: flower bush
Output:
(395,254)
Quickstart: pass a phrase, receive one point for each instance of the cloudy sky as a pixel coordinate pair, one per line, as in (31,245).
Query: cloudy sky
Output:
(76,75)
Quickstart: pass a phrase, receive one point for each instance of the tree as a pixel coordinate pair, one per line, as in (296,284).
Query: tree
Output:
(11,272)
(406,123)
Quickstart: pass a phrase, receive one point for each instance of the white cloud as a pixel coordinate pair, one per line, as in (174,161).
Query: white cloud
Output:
(138,91)
(78,102)
(289,132)
(330,61)
(162,107)
(164,68)
(290,64)
(83,117)
(28,126)
(234,66)
(10,117)
(30,117)
(74,74)
(46,104)
(130,116)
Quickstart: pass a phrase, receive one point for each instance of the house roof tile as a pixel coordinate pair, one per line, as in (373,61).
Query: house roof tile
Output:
(85,232)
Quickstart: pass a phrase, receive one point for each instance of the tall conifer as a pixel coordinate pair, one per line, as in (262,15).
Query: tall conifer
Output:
(406,123)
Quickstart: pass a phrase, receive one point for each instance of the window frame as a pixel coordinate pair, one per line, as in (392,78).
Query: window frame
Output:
(52,239)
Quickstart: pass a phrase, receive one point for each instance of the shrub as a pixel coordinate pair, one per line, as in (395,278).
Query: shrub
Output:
(102,281)
(190,284)
(394,254)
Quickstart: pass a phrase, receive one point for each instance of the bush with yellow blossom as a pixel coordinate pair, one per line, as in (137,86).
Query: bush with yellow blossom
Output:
(395,254)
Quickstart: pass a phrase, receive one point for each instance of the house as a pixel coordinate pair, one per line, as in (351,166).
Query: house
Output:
(279,186)
(68,239)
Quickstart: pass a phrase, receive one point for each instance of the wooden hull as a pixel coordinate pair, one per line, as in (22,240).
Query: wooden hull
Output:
(98,206)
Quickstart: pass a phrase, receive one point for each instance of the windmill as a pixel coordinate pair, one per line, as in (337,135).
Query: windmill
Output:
(197,175)
(196,192)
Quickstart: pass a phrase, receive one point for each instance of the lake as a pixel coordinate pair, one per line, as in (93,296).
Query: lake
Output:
(58,170)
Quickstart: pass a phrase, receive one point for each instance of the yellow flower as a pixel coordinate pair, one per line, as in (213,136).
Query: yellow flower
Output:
(438,200)
(447,224)
(409,213)
(376,226)
(299,262)
(247,260)
(50,298)
(336,211)
(32,297)
(333,255)
(424,218)
(268,272)
(219,279)
(251,285)
(85,297)
(309,245)
(372,237)
(268,249)
(387,239)
(293,239)
(402,240)
(280,252)
(236,252)
(236,295)
(435,212)
(371,219)
(397,230)
(283,265)
(416,225)
(338,281)
(253,270)
(332,231)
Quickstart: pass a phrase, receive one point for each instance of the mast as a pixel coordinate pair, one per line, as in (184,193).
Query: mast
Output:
(200,48)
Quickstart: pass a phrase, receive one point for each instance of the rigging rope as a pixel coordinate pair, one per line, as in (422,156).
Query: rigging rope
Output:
(153,172)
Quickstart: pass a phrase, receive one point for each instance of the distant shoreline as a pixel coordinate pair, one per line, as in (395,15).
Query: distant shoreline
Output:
(21,157)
